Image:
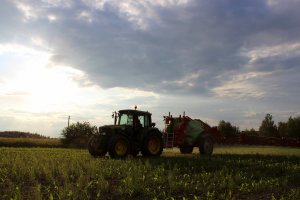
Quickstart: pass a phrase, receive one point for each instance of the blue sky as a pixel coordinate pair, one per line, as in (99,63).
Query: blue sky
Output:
(216,60)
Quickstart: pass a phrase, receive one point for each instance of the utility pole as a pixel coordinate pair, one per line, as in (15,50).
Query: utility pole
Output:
(69,121)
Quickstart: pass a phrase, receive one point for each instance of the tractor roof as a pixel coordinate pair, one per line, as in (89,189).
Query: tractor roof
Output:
(138,112)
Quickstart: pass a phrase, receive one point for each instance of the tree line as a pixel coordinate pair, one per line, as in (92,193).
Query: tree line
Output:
(268,128)
(19,134)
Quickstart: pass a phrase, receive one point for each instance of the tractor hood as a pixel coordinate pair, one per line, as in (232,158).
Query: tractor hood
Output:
(111,129)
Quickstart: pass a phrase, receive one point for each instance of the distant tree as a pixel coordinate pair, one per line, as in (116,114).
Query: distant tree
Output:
(293,127)
(282,129)
(77,135)
(227,129)
(268,127)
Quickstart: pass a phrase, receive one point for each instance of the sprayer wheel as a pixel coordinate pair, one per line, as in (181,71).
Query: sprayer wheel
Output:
(206,145)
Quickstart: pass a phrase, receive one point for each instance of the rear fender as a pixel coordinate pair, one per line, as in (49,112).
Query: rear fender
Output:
(146,131)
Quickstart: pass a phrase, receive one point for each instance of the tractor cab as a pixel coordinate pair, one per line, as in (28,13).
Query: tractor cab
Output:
(135,118)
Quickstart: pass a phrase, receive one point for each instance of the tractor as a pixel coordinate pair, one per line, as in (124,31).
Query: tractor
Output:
(187,133)
(132,132)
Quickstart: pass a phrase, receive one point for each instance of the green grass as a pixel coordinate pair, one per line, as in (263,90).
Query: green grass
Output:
(231,173)
(244,150)
(262,150)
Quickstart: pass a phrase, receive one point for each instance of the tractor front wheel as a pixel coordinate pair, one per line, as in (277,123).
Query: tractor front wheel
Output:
(96,147)
(119,147)
(206,145)
(152,144)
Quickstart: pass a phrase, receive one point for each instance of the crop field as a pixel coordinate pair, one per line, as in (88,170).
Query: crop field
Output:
(29,142)
(231,173)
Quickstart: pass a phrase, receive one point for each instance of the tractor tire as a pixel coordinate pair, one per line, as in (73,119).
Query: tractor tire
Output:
(96,147)
(119,147)
(152,144)
(206,145)
(186,149)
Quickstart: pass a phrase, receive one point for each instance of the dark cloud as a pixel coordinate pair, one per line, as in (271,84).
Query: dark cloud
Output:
(9,21)
(159,49)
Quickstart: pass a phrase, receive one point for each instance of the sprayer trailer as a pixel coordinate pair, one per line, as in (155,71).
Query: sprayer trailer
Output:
(187,133)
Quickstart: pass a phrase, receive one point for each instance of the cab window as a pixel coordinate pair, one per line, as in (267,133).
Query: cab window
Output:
(142,120)
(126,119)
(147,121)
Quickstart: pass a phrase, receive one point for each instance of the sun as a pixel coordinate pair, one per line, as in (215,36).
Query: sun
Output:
(44,87)
(49,89)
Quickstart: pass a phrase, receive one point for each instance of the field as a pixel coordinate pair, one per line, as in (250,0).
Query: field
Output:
(29,142)
(231,173)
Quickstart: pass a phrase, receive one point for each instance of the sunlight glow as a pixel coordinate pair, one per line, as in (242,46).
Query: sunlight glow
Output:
(39,91)
(46,88)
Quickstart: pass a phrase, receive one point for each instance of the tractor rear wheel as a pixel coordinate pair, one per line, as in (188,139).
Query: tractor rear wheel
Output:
(206,145)
(96,147)
(152,144)
(186,149)
(119,147)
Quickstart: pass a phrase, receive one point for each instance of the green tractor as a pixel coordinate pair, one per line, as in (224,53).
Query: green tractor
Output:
(133,132)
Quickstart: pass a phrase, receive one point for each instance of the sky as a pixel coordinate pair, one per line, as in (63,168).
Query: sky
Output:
(216,60)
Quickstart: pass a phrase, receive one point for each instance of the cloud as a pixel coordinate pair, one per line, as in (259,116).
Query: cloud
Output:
(157,45)
(286,50)
(239,90)
(245,85)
